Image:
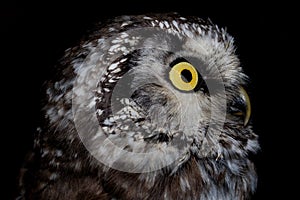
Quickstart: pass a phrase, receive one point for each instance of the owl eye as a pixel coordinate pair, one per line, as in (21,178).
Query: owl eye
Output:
(184,76)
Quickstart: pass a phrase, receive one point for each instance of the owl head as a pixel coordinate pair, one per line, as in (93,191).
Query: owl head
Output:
(155,91)
(145,107)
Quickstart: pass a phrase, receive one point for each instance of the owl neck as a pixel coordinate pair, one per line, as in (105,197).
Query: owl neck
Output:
(195,179)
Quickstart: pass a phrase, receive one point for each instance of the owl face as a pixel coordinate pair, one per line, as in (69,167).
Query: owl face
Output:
(154,93)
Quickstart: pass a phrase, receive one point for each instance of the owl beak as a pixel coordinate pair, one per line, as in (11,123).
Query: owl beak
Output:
(247,105)
(244,110)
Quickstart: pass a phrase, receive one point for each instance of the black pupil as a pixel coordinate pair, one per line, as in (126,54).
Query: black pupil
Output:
(186,75)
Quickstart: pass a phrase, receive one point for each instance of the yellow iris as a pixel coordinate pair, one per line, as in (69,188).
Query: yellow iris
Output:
(184,76)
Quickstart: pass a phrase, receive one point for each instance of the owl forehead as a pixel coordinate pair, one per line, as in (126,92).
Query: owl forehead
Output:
(171,35)
(192,37)
(173,24)
(190,27)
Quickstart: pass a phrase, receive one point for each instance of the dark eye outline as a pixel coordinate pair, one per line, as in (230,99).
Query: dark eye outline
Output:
(201,84)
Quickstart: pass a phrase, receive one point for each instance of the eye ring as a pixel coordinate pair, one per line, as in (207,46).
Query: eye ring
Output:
(184,76)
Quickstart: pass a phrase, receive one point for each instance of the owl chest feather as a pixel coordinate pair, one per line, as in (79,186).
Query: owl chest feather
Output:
(196,179)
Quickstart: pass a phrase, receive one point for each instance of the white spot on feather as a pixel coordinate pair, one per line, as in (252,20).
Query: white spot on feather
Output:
(111,29)
(124,50)
(166,24)
(116,70)
(58,153)
(146,17)
(116,41)
(45,152)
(114,47)
(52,114)
(111,119)
(199,30)
(123,60)
(175,24)
(61,112)
(125,127)
(111,80)
(123,117)
(124,24)
(99,112)
(53,176)
(124,35)
(107,122)
(161,25)
(106,89)
(126,101)
(105,128)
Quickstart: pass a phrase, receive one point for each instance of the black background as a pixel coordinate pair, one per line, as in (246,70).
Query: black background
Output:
(34,36)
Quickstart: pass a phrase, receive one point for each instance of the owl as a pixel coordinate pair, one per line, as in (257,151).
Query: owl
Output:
(145,107)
